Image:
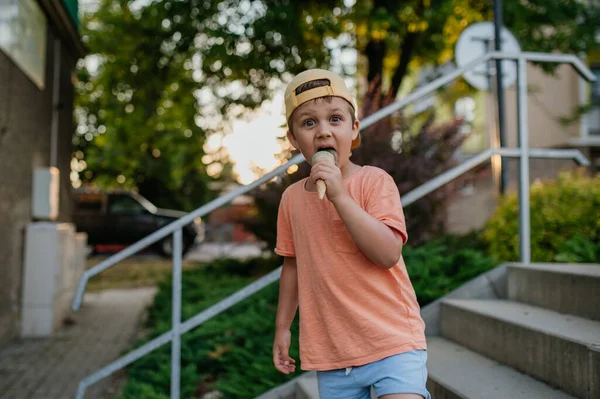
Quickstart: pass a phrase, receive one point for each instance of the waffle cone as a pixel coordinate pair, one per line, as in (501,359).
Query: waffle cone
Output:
(321,188)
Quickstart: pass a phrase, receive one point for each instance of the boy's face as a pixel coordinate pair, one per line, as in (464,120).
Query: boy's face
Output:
(324,123)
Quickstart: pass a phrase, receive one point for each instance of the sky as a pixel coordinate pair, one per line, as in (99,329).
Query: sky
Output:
(255,143)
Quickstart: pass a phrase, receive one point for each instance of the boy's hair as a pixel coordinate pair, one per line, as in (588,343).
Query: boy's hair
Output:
(311,85)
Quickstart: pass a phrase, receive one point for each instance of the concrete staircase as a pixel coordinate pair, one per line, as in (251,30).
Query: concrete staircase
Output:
(518,331)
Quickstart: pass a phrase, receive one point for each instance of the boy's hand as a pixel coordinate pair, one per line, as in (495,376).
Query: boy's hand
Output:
(326,170)
(281,347)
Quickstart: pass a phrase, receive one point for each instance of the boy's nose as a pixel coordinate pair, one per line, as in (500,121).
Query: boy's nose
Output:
(324,132)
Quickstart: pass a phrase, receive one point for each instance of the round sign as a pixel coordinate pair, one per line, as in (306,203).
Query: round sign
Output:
(475,42)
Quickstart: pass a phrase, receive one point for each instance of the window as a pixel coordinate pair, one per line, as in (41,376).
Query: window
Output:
(124,205)
(90,206)
(23,30)
(88,203)
(594,114)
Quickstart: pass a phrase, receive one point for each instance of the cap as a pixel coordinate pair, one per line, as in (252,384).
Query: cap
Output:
(336,88)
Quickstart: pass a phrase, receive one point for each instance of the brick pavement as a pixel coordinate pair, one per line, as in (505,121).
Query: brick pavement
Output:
(51,368)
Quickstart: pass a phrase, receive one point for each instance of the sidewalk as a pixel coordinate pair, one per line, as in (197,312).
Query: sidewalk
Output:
(51,368)
(209,251)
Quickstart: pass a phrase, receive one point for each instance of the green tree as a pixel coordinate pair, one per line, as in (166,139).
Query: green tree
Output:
(393,39)
(136,107)
(170,73)
(163,76)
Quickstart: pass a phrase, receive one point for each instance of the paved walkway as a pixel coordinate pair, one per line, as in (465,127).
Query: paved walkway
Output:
(51,368)
(209,251)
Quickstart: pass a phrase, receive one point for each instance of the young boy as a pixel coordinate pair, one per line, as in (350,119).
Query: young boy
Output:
(360,323)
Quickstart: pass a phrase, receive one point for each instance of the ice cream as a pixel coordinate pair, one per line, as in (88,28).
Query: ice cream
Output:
(323,154)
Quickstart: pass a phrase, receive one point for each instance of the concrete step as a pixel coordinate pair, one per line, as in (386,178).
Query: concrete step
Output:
(594,370)
(457,372)
(553,347)
(293,389)
(566,288)
(307,388)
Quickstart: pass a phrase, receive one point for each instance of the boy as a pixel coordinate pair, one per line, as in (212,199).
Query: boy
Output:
(360,323)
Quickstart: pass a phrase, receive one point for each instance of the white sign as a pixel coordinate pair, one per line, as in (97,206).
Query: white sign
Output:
(23,31)
(475,42)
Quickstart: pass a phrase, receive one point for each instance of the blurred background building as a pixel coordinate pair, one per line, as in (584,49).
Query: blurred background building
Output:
(39,48)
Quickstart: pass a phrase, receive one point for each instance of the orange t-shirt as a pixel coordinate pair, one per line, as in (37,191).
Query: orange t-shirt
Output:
(352,312)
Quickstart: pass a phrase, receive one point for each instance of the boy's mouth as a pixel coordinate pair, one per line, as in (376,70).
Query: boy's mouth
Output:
(330,149)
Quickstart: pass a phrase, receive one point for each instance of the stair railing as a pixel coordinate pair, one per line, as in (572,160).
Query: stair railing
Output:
(178,328)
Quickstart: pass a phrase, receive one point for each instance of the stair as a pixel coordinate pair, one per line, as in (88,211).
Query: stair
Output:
(539,342)
(518,332)
(575,288)
(457,372)
(543,340)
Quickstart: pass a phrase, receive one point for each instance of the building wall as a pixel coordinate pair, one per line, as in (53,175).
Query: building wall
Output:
(549,99)
(25,123)
(473,204)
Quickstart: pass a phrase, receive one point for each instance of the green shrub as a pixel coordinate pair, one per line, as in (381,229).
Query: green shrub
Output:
(578,250)
(440,266)
(253,267)
(560,211)
(232,351)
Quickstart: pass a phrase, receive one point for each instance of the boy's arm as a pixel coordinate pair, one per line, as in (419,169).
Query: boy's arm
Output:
(380,243)
(286,311)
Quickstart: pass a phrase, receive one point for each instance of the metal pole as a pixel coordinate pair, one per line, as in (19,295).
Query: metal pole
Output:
(524,211)
(500,89)
(176,317)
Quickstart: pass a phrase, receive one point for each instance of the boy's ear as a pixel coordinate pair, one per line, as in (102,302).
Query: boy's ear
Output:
(292,139)
(355,129)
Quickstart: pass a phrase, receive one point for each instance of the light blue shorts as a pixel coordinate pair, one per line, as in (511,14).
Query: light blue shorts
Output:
(403,373)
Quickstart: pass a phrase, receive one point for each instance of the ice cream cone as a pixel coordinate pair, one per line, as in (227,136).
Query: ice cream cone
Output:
(321,186)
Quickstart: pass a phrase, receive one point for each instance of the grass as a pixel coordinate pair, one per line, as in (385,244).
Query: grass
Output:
(133,272)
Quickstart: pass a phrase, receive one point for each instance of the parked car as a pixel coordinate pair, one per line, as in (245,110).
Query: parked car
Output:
(125,217)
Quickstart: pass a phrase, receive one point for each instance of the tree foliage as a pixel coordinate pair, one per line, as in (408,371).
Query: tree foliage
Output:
(162,76)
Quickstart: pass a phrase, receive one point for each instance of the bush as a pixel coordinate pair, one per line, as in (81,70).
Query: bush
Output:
(230,352)
(440,266)
(578,250)
(560,211)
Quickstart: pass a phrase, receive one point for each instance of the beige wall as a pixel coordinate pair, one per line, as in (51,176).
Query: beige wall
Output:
(472,205)
(550,98)
(471,208)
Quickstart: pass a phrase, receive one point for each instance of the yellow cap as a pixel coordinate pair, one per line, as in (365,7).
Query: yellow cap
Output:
(336,88)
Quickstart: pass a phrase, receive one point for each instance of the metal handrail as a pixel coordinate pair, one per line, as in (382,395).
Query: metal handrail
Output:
(273,276)
(480,158)
(366,122)
(179,328)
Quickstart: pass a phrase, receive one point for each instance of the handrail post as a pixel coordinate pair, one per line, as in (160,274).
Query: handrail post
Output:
(524,211)
(176,316)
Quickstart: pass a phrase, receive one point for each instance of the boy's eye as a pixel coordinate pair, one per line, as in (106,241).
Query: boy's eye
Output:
(336,118)
(308,123)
